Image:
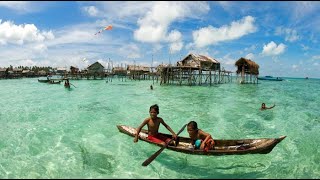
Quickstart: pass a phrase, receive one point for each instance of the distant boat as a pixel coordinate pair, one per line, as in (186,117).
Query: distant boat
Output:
(270,78)
(43,80)
(54,82)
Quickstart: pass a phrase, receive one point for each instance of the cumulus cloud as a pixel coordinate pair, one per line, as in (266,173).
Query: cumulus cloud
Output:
(21,34)
(291,35)
(176,47)
(154,25)
(211,35)
(272,49)
(175,37)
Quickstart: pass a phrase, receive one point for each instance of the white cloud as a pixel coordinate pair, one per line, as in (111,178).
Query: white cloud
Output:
(121,10)
(250,56)
(130,51)
(40,48)
(294,66)
(23,7)
(211,35)
(156,48)
(302,9)
(21,34)
(316,57)
(291,35)
(251,48)
(15,5)
(176,46)
(91,10)
(174,36)
(154,25)
(272,49)
(227,62)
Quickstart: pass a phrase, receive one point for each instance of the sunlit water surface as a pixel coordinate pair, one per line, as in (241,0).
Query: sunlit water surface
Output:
(48,131)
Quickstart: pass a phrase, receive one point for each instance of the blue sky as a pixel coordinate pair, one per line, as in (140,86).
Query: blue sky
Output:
(282,37)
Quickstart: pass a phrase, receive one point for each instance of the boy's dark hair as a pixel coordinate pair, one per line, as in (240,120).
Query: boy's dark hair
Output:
(155,107)
(193,124)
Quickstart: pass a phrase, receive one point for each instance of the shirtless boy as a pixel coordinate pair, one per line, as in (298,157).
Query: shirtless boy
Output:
(153,123)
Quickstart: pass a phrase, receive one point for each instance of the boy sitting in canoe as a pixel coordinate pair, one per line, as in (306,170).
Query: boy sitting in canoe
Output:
(153,123)
(200,139)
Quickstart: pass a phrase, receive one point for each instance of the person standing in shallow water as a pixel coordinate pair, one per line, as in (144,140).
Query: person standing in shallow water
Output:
(66,83)
(153,123)
(263,107)
(151,87)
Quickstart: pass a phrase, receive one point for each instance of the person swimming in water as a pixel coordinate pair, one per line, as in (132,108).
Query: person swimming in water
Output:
(263,107)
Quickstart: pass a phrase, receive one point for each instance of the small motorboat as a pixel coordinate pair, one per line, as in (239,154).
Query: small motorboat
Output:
(270,78)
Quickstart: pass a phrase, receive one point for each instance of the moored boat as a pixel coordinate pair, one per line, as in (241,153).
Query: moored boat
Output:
(222,146)
(54,82)
(270,78)
(43,80)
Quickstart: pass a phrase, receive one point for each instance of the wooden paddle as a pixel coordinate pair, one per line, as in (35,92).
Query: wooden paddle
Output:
(73,85)
(151,158)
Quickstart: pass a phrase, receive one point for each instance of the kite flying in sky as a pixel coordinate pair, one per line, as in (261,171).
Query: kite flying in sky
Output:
(105,28)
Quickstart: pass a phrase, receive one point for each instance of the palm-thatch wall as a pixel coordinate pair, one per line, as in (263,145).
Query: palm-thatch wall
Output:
(119,71)
(247,67)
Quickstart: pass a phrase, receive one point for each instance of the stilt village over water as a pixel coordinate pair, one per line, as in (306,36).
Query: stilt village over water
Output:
(194,69)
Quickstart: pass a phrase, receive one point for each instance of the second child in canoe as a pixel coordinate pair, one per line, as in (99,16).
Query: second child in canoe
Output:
(200,139)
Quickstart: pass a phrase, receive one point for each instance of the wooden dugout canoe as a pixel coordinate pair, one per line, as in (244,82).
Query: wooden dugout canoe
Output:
(43,80)
(54,82)
(222,146)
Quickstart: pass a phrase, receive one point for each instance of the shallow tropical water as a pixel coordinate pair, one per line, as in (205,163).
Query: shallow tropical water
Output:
(48,131)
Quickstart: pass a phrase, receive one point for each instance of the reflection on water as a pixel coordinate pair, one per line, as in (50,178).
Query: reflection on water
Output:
(100,162)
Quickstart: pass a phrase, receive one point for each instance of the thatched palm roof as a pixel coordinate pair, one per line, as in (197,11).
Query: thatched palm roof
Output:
(250,66)
(200,61)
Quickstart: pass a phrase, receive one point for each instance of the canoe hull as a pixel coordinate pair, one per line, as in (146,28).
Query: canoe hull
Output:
(43,80)
(54,82)
(222,146)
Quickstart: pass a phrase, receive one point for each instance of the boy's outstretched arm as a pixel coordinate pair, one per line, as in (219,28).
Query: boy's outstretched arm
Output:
(139,129)
(174,135)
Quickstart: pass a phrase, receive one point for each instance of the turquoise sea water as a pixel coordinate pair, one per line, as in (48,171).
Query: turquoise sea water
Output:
(48,131)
